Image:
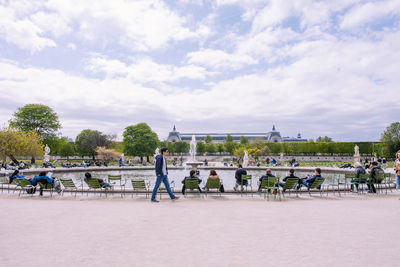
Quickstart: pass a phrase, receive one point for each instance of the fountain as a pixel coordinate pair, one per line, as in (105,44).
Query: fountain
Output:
(245,159)
(192,161)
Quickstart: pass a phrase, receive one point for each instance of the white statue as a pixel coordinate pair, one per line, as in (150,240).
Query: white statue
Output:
(281,159)
(356,150)
(245,158)
(46,153)
(156,153)
(46,150)
(123,157)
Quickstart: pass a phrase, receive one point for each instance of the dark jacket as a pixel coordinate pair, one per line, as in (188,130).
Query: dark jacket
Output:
(239,173)
(266,176)
(359,170)
(191,177)
(159,165)
(374,171)
(290,176)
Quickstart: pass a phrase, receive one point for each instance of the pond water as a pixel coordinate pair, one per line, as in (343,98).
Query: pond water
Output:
(177,175)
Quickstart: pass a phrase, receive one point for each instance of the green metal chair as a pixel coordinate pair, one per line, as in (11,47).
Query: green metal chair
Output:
(213,184)
(335,183)
(140,185)
(23,185)
(363,177)
(270,184)
(116,180)
(47,187)
(94,185)
(191,184)
(379,181)
(69,184)
(249,180)
(290,184)
(389,182)
(317,184)
(4,180)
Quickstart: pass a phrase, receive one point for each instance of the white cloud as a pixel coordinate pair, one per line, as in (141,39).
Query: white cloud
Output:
(369,12)
(22,32)
(145,70)
(218,59)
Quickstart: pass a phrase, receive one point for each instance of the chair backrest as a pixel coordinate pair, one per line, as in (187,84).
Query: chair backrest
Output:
(364,176)
(22,182)
(68,183)
(317,183)
(379,177)
(291,183)
(349,175)
(388,175)
(245,177)
(114,178)
(269,182)
(138,184)
(191,183)
(93,183)
(213,183)
(45,185)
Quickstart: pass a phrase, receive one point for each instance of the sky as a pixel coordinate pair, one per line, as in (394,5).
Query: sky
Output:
(319,68)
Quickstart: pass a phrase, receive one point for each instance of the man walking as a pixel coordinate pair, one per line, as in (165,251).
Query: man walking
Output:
(162,175)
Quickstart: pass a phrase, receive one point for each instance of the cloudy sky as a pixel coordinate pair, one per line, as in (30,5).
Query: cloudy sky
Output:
(316,67)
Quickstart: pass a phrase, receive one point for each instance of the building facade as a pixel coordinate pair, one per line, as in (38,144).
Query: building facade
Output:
(272,136)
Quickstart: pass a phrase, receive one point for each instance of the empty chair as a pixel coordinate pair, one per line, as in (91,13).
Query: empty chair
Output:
(70,185)
(140,185)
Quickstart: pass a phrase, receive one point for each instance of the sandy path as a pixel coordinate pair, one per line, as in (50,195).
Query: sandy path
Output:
(351,231)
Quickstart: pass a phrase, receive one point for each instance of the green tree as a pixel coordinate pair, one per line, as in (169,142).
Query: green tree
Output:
(140,140)
(229,138)
(200,148)
(391,140)
(182,147)
(324,139)
(230,147)
(67,149)
(210,148)
(208,139)
(36,117)
(88,140)
(244,140)
(220,148)
(14,142)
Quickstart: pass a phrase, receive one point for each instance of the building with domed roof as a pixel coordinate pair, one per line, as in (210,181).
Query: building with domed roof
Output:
(272,136)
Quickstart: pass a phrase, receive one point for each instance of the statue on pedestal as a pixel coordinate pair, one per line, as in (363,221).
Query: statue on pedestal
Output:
(46,153)
(357,157)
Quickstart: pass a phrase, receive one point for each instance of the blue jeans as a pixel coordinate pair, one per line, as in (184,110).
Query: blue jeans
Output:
(164,179)
(398,181)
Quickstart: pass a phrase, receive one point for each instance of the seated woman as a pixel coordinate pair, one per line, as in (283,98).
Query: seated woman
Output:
(192,175)
(43,178)
(16,174)
(213,175)
(103,184)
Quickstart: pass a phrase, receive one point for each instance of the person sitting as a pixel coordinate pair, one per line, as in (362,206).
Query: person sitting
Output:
(238,176)
(15,175)
(291,175)
(103,184)
(375,170)
(213,175)
(307,181)
(44,179)
(274,161)
(268,173)
(192,175)
(359,170)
